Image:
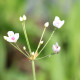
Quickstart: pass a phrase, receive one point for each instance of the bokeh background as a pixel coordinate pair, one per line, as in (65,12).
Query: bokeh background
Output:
(62,66)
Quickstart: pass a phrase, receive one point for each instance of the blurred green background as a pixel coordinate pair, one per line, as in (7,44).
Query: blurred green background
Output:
(63,66)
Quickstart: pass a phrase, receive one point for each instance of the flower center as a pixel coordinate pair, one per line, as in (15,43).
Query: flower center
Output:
(57,23)
(56,46)
(13,38)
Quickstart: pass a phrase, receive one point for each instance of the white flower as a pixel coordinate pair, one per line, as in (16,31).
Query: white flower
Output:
(57,22)
(56,48)
(24,48)
(23,18)
(33,53)
(41,42)
(46,24)
(11,37)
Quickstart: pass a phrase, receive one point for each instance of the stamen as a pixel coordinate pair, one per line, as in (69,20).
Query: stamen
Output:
(13,38)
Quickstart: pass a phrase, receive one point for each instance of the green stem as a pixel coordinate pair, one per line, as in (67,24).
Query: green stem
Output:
(27,53)
(19,50)
(44,57)
(40,39)
(33,68)
(25,33)
(46,42)
(22,51)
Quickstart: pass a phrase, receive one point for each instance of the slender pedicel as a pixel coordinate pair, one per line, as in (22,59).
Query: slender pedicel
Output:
(24,48)
(27,53)
(40,42)
(47,42)
(41,39)
(19,50)
(25,33)
(43,57)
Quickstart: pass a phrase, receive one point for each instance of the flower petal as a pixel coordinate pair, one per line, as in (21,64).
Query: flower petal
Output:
(16,36)
(57,22)
(24,17)
(57,18)
(5,37)
(62,22)
(10,33)
(9,39)
(21,18)
(56,44)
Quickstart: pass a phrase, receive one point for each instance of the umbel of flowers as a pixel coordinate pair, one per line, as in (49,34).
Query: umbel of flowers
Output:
(12,38)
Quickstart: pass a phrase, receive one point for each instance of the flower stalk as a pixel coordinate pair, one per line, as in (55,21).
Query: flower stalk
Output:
(47,42)
(19,49)
(25,33)
(33,68)
(40,40)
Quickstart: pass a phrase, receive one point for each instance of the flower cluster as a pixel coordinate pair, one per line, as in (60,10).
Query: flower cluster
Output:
(13,38)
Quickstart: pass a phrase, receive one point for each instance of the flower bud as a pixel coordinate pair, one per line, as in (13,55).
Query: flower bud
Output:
(41,42)
(23,18)
(24,48)
(46,24)
(32,53)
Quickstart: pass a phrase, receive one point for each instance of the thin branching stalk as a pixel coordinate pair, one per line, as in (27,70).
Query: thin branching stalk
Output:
(19,50)
(27,53)
(25,50)
(41,40)
(18,47)
(47,42)
(25,33)
(44,57)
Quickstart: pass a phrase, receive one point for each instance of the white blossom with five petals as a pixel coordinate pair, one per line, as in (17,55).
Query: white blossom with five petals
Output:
(11,37)
(56,48)
(57,22)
